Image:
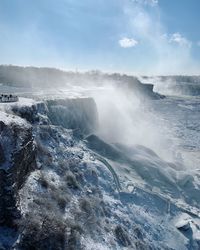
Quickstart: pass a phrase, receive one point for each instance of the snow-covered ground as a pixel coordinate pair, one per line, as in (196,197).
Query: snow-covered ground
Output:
(7,119)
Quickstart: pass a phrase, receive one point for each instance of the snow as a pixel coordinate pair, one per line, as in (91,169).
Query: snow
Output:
(10,119)
(183,225)
(6,110)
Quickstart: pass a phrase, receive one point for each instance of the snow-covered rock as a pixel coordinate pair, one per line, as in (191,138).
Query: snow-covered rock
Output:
(183,225)
(17,151)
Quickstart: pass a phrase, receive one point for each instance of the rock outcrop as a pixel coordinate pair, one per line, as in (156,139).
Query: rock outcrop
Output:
(17,145)
(17,161)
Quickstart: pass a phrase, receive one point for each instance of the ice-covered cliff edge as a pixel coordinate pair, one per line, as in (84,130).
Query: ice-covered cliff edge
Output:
(78,113)
(175,84)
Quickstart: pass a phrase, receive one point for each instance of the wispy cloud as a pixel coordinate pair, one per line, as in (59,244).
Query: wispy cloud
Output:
(198,43)
(170,53)
(146,2)
(127,42)
(180,40)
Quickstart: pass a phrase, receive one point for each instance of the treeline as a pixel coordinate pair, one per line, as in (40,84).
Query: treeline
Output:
(34,77)
(182,79)
(45,77)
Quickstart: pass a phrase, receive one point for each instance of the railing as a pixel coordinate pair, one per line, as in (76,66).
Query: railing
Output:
(4,99)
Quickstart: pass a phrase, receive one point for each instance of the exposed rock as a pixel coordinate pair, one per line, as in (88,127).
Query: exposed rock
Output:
(140,245)
(122,237)
(19,159)
(32,113)
(2,157)
(183,225)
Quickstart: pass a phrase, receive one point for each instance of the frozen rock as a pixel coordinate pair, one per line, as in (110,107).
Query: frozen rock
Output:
(17,161)
(122,237)
(183,225)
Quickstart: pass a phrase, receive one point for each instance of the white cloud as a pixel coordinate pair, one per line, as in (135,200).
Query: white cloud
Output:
(154,1)
(146,2)
(179,39)
(127,42)
(198,43)
(163,53)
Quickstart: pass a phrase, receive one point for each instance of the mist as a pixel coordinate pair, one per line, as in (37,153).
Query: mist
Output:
(127,118)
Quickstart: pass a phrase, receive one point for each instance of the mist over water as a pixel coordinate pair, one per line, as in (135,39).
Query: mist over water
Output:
(130,120)
(166,126)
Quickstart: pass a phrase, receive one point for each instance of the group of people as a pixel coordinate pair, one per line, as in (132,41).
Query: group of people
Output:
(8,98)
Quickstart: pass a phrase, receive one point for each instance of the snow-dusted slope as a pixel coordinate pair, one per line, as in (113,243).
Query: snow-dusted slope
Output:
(86,193)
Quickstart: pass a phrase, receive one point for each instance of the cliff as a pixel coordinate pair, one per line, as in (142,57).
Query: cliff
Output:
(17,150)
(176,84)
(74,113)
(60,191)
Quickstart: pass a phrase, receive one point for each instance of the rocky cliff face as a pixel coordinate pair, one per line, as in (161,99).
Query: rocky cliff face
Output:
(18,148)
(17,152)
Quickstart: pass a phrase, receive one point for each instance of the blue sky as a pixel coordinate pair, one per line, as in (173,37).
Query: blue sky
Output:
(131,36)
